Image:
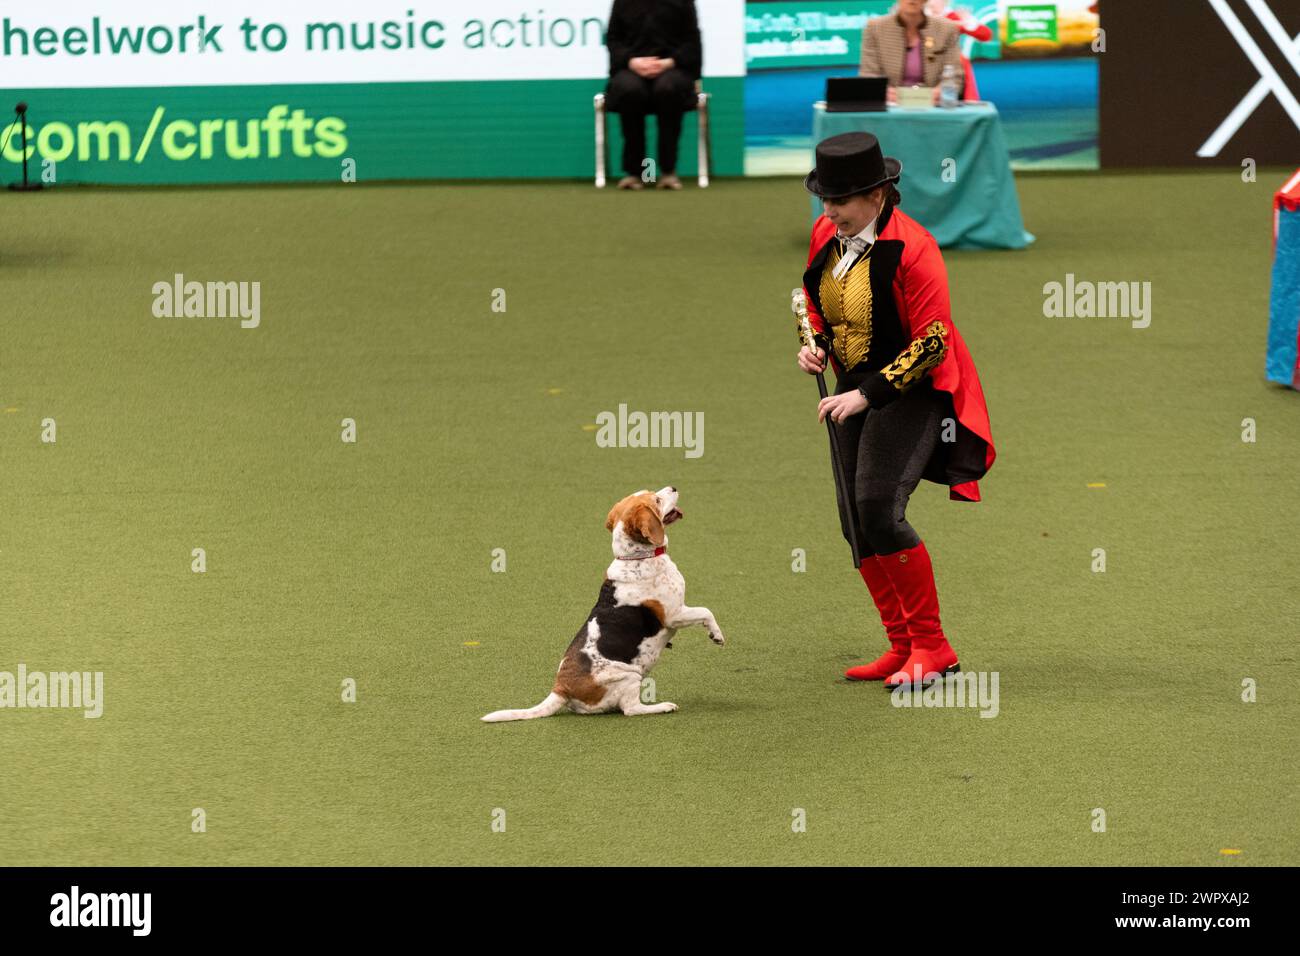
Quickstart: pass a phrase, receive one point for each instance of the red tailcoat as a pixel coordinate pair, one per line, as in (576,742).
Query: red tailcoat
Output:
(920,294)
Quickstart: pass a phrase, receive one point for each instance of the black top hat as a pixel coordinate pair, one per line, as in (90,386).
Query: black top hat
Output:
(850,163)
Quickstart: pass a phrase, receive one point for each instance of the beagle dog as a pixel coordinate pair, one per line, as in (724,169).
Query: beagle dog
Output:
(640,608)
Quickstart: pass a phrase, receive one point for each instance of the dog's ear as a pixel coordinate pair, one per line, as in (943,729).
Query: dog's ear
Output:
(614,514)
(646,524)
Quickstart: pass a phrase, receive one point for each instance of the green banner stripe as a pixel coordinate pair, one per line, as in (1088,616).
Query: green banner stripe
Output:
(524,129)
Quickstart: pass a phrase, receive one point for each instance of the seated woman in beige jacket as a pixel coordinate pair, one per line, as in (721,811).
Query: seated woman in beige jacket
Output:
(910,48)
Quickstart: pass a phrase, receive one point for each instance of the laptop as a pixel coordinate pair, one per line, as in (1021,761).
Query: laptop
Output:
(856,94)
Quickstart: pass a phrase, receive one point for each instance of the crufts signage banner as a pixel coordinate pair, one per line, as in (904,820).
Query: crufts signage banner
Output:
(195,91)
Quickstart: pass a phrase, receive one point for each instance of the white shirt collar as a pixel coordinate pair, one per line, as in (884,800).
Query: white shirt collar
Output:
(866,238)
(867,235)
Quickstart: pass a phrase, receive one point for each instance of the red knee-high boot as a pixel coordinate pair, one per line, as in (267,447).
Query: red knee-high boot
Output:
(891,615)
(931,656)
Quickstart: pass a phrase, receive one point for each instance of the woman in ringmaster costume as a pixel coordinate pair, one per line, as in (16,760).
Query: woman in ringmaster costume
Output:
(907,403)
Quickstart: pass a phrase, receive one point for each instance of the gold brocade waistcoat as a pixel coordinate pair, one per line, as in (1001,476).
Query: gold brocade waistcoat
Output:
(846,307)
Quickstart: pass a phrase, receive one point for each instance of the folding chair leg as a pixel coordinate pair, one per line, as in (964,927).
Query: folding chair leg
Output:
(599,105)
(705,153)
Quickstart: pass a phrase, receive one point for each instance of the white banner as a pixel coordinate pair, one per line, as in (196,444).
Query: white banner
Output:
(151,43)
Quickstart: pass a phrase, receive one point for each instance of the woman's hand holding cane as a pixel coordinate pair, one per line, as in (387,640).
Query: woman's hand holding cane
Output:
(811,362)
(840,407)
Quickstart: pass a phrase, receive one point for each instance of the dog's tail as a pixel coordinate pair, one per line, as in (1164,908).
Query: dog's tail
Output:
(553,704)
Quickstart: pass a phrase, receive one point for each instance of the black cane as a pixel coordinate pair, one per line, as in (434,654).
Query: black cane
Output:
(799,305)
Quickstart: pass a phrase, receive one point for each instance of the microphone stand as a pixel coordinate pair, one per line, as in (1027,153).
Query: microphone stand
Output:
(25,187)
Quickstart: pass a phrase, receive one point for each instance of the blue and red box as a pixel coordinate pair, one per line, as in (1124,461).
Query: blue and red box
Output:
(1283,362)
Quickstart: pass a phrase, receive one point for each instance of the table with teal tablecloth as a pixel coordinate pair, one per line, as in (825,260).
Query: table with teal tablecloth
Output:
(956,178)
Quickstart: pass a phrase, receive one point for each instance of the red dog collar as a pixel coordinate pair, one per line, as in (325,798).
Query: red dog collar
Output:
(642,557)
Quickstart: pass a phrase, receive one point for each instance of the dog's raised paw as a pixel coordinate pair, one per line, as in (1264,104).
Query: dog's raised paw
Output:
(717,638)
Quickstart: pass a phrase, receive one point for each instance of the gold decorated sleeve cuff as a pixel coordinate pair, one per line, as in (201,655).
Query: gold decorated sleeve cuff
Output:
(924,353)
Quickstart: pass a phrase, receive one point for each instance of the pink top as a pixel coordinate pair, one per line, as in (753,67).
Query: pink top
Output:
(913,67)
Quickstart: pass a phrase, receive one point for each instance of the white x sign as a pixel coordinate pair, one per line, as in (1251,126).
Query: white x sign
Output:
(1269,81)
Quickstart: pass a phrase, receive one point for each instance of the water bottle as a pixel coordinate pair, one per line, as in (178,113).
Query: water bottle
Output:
(949,87)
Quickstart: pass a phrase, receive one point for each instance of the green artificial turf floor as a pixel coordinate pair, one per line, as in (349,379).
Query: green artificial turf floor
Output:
(373,561)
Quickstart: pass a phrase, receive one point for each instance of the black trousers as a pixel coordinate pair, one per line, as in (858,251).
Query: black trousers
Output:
(668,96)
(885,451)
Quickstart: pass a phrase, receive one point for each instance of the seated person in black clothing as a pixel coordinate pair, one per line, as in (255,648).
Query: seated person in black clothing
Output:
(654,61)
